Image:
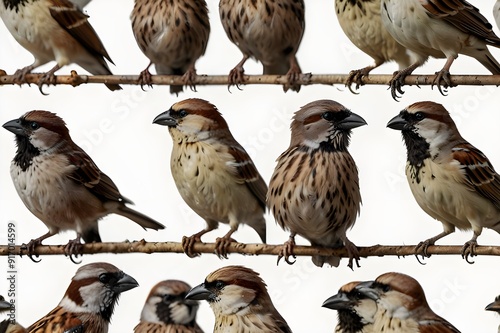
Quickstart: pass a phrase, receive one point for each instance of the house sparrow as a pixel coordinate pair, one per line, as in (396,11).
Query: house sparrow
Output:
(173,35)
(314,190)
(355,310)
(441,29)
(451,180)
(89,301)
(268,31)
(495,306)
(60,184)
(496,13)
(361,22)
(167,311)
(240,301)
(9,325)
(55,30)
(213,173)
(402,306)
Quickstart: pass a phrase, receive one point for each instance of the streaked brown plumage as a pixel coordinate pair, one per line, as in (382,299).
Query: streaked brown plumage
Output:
(55,30)
(355,310)
(60,184)
(173,35)
(314,190)
(402,306)
(213,172)
(439,29)
(89,301)
(167,311)
(361,22)
(240,301)
(451,180)
(268,31)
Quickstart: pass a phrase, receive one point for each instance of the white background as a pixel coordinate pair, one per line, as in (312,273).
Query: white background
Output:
(116,129)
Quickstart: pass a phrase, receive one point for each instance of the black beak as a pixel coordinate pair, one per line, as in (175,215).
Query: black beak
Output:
(337,302)
(397,123)
(126,282)
(15,127)
(4,305)
(199,293)
(366,288)
(165,119)
(495,306)
(352,121)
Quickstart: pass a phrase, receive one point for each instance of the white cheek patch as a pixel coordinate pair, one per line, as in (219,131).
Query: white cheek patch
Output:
(180,313)
(148,313)
(234,299)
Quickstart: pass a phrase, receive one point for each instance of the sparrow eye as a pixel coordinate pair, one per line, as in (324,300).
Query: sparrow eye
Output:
(419,115)
(167,298)
(104,278)
(34,125)
(183,113)
(327,116)
(219,285)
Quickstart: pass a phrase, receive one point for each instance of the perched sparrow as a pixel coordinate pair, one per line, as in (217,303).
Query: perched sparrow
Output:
(240,301)
(495,306)
(167,311)
(355,310)
(8,325)
(55,30)
(60,184)
(361,22)
(173,35)
(267,30)
(314,191)
(89,301)
(496,13)
(402,306)
(441,29)
(451,180)
(213,173)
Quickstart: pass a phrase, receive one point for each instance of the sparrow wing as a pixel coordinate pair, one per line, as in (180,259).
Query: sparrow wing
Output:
(437,326)
(463,16)
(75,22)
(57,321)
(479,173)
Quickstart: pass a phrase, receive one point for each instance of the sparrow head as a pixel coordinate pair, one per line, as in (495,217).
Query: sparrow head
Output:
(427,129)
(355,309)
(95,288)
(233,290)
(166,303)
(40,130)
(324,123)
(193,120)
(494,306)
(395,292)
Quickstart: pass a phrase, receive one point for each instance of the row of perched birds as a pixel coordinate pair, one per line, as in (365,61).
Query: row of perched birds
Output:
(174,34)
(314,191)
(393,302)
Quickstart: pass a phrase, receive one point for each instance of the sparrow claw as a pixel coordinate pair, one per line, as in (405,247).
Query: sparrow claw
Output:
(469,250)
(189,77)
(236,77)
(30,247)
(418,259)
(221,245)
(287,251)
(145,79)
(356,76)
(353,252)
(73,249)
(442,76)
(48,79)
(188,243)
(292,76)
(422,247)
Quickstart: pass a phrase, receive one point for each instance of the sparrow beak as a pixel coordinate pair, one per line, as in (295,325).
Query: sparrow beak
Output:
(165,119)
(4,305)
(126,282)
(495,306)
(366,288)
(337,302)
(199,293)
(352,121)
(397,123)
(15,127)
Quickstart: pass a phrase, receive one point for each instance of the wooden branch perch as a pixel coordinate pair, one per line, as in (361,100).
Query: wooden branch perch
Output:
(247,249)
(305,79)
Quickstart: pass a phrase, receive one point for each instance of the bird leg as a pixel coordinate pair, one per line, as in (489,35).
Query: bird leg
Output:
(20,74)
(444,76)
(292,76)
(188,242)
(469,248)
(287,250)
(222,243)
(48,78)
(236,77)
(145,77)
(398,80)
(74,248)
(357,75)
(30,247)
(352,251)
(421,248)
(189,77)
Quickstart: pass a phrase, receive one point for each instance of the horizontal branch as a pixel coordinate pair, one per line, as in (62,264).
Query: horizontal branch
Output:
(305,79)
(247,249)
